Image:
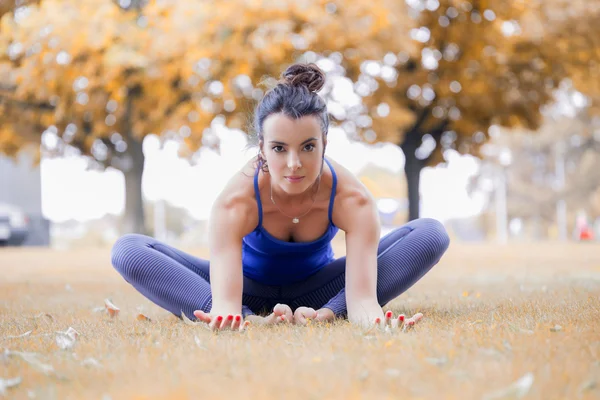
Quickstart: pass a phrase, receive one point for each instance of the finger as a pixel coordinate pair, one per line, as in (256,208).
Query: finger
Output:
(300,316)
(408,324)
(270,319)
(283,310)
(400,320)
(237,321)
(244,326)
(388,318)
(202,316)
(226,324)
(377,322)
(309,312)
(417,317)
(216,323)
(320,316)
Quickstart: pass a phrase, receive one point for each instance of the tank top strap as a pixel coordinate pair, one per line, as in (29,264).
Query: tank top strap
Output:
(257,195)
(333,189)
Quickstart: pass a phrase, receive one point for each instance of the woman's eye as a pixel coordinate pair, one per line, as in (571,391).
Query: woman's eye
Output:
(309,147)
(277,149)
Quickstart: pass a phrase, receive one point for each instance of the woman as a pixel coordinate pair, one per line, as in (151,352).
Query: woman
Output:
(271,230)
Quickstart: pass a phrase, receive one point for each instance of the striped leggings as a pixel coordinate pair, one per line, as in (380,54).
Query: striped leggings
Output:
(179,282)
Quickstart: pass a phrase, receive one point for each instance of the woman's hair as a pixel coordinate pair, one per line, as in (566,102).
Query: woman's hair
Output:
(294,96)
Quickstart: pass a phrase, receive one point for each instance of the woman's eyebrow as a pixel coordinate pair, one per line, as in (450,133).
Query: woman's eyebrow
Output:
(283,143)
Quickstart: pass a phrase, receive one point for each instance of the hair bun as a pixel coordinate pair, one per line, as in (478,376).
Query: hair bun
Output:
(308,75)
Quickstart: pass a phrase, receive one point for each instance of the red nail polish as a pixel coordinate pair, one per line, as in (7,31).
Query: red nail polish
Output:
(388,314)
(238,318)
(219,318)
(377,320)
(401,318)
(230,317)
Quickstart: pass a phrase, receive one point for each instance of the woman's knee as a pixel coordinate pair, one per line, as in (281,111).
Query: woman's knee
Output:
(126,254)
(434,234)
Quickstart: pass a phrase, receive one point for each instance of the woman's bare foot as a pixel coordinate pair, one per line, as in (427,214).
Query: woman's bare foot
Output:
(282,313)
(303,314)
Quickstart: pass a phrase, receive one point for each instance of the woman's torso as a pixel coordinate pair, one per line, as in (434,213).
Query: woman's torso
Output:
(279,252)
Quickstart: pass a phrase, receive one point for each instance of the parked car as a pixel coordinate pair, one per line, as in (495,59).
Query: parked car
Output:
(14,225)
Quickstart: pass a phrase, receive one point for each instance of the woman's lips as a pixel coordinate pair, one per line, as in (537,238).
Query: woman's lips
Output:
(294,179)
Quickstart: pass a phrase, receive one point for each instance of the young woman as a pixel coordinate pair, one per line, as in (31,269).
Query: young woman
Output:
(271,230)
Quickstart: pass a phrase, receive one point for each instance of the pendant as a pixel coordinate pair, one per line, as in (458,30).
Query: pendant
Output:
(295,220)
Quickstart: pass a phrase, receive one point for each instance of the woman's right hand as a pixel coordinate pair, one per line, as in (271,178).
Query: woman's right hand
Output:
(222,321)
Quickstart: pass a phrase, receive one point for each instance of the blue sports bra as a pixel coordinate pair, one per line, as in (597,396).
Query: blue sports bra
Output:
(273,261)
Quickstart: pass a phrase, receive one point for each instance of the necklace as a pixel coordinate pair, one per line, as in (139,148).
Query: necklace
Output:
(295,220)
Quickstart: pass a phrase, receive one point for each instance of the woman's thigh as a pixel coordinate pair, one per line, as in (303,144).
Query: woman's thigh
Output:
(328,282)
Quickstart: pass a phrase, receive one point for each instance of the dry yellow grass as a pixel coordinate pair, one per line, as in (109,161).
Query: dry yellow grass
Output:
(488,317)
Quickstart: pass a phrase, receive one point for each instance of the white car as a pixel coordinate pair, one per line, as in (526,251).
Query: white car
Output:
(14,225)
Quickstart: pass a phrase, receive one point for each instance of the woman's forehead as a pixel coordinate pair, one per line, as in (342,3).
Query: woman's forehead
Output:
(282,128)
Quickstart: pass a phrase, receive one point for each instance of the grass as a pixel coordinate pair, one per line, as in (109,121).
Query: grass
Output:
(490,313)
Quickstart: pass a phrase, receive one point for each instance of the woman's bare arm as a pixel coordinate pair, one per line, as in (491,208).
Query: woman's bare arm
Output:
(233,216)
(362,228)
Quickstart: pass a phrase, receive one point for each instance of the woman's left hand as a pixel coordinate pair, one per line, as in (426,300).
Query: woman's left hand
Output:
(400,322)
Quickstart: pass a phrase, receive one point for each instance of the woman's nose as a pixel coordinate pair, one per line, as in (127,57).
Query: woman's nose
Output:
(294,162)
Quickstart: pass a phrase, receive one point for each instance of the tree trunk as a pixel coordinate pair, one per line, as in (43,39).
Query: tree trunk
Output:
(412,169)
(134,219)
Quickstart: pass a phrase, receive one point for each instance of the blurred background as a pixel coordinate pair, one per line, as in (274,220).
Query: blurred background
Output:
(122,116)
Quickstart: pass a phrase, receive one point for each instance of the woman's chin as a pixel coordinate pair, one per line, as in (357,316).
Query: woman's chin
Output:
(295,188)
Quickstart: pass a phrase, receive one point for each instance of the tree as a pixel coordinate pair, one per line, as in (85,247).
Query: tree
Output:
(480,64)
(173,68)
(554,171)
(96,77)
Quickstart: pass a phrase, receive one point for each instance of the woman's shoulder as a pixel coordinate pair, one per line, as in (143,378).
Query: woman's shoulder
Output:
(237,200)
(348,183)
(351,195)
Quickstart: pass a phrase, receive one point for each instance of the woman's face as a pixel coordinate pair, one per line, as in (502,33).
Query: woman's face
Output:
(293,149)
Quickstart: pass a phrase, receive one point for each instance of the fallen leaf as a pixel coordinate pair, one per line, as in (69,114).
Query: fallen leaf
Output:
(91,362)
(142,317)
(437,361)
(8,383)
(517,329)
(72,333)
(393,372)
(199,343)
(40,315)
(30,358)
(66,340)
(516,390)
(112,310)
(19,336)
(490,352)
(588,385)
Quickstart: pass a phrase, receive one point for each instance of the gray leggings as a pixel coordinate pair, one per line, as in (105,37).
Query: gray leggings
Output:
(177,281)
